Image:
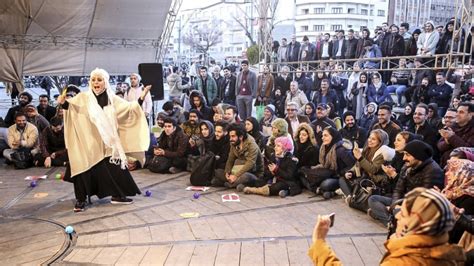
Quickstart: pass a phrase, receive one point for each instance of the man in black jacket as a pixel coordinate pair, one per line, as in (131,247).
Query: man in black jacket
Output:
(170,153)
(351,46)
(420,170)
(423,128)
(24,99)
(44,108)
(321,122)
(351,131)
(227,87)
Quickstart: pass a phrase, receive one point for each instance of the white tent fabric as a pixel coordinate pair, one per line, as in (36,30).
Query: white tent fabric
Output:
(72,37)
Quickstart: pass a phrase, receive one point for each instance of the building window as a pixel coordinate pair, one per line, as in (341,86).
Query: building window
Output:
(351,11)
(336,27)
(305,11)
(371,12)
(349,26)
(239,49)
(364,12)
(381,13)
(319,10)
(337,10)
(318,27)
(304,28)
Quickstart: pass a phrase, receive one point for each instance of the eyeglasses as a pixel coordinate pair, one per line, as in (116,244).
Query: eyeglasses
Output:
(291,110)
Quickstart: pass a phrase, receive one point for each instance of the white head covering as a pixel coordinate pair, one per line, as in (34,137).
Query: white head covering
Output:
(105,119)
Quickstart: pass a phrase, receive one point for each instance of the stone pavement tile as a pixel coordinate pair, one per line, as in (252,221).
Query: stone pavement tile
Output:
(345,250)
(368,250)
(297,252)
(180,254)
(98,239)
(156,255)
(161,233)
(83,255)
(252,253)
(118,237)
(140,235)
(132,255)
(276,253)
(264,228)
(221,228)
(228,253)
(131,219)
(204,254)
(109,255)
(241,226)
(201,229)
(181,231)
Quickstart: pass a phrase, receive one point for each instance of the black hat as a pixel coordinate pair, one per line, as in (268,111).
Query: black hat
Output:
(419,149)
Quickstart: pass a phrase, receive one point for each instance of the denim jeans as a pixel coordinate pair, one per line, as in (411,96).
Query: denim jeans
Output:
(399,90)
(379,205)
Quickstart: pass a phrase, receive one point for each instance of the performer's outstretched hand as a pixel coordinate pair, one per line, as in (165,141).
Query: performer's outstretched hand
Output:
(61,99)
(145,91)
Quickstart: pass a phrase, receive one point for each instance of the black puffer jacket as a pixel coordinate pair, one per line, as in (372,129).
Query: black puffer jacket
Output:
(286,172)
(428,174)
(220,148)
(307,154)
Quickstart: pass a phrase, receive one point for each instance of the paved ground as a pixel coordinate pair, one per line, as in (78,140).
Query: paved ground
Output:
(255,231)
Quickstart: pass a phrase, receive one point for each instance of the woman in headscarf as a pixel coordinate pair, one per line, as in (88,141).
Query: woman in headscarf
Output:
(267,119)
(310,111)
(421,236)
(358,94)
(369,164)
(100,130)
(377,91)
(206,136)
(334,161)
(253,129)
(406,118)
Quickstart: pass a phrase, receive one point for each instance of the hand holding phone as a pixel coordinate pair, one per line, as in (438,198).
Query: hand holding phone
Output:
(331,217)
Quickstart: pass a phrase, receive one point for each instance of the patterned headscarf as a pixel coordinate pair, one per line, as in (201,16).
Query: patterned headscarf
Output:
(459,178)
(424,212)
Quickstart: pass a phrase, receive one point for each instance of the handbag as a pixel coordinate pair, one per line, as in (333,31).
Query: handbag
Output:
(22,158)
(361,193)
(260,110)
(203,171)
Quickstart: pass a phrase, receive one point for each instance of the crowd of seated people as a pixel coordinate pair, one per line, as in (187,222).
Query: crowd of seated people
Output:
(325,132)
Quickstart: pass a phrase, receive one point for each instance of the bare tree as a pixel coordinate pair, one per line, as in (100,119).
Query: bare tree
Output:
(201,37)
(244,20)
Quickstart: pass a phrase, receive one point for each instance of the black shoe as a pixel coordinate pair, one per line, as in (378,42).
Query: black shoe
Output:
(80,206)
(121,200)
(328,195)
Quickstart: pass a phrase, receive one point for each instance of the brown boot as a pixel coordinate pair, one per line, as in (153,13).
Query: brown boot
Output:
(264,191)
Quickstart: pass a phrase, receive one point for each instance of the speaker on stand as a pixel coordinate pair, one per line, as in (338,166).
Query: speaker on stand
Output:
(152,74)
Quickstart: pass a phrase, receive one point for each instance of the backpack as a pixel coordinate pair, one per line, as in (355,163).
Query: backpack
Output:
(203,170)
(22,158)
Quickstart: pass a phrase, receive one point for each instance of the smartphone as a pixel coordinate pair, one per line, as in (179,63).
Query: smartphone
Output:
(331,217)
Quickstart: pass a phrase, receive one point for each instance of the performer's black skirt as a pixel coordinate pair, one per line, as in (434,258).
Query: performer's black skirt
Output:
(103,179)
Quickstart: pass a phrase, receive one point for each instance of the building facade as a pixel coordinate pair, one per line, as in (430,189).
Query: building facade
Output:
(315,17)
(417,12)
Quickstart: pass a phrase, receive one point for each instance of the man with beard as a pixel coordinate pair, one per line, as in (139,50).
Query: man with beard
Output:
(197,102)
(461,134)
(44,108)
(21,135)
(171,150)
(135,91)
(220,146)
(440,93)
(206,85)
(391,128)
(36,119)
(216,75)
(52,146)
(24,99)
(191,127)
(423,128)
(245,163)
(420,170)
(245,90)
(322,121)
(325,95)
(227,87)
(351,131)
(283,80)
(449,118)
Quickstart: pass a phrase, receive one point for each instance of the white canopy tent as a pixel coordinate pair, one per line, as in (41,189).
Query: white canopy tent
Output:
(72,37)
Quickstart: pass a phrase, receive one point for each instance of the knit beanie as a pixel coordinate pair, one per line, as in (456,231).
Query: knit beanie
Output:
(285,142)
(419,149)
(270,108)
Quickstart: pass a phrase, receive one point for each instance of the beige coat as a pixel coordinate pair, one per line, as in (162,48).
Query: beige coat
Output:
(30,136)
(84,143)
